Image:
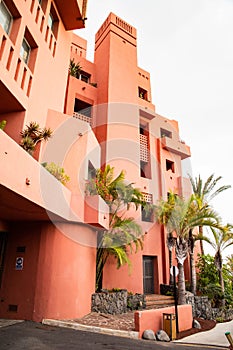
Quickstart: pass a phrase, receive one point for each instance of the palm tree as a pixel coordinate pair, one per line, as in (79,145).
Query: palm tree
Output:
(204,193)
(124,233)
(222,238)
(181,218)
(162,213)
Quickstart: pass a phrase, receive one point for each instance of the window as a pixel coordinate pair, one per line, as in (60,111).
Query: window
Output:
(165,133)
(84,77)
(91,171)
(142,93)
(6,18)
(170,165)
(50,21)
(147,211)
(53,21)
(25,51)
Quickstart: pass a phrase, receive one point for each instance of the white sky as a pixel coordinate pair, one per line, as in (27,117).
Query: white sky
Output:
(187,46)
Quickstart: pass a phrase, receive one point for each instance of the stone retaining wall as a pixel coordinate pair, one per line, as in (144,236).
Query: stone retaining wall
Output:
(118,302)
(202,308)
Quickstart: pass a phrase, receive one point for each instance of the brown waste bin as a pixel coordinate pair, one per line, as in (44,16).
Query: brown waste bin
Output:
(169,325)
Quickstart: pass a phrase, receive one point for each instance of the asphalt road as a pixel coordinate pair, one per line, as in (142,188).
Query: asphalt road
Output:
(35,336)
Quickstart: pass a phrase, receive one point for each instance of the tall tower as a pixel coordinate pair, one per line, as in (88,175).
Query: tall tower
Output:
(117,115)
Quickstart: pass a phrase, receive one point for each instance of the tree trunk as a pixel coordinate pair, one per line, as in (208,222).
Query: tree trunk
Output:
(170,267)
(201,241)
(221,281)
(193,274)
(181,285)
(181,255)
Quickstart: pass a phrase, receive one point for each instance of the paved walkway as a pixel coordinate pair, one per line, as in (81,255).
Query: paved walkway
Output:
(215,336)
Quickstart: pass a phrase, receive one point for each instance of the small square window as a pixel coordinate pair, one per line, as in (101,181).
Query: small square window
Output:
(165,133)
(25,51)
(170,165)
(5,17)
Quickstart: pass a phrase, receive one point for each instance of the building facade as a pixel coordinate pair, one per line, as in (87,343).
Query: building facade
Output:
(105,115)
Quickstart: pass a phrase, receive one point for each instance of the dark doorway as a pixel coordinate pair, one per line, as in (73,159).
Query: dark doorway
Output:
(148,274)
(3,242)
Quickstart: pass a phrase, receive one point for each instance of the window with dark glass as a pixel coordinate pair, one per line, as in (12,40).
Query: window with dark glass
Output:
(165,133)
(142,93)
(84,77)
(53,21)
(6,18)
(25,51)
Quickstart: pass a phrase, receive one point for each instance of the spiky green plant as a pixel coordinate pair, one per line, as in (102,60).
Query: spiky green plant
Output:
(32,134)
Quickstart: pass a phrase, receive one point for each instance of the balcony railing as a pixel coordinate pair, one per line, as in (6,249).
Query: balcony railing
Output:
(82,117)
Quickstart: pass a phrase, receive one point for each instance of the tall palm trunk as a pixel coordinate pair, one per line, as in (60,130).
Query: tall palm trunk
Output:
(221,281)
(193,281)
(170,245)
(181,285)
(171,279)
(193,274)
(201,241)
(181,255)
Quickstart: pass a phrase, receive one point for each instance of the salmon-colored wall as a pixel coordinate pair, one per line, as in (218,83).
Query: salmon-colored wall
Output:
(53,282)
(130,278)
(18,286)
(37,86)
(65,277)
(153,319)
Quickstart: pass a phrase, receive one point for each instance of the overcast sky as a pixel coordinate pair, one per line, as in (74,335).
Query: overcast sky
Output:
(187,46)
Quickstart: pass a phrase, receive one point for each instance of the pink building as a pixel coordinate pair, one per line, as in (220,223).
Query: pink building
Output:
(48,230)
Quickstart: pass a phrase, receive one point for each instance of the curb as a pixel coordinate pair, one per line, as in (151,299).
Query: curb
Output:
(94,329)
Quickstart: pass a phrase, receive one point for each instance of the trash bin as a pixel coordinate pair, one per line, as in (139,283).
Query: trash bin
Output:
(169,325)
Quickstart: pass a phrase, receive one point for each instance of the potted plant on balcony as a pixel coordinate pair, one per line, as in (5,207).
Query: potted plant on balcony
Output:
(2,124)
(32,134)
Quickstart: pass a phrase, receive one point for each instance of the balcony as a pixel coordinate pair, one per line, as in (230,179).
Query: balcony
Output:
(96,212)
(72,15)
(29,192)
(176,146)
(82,117)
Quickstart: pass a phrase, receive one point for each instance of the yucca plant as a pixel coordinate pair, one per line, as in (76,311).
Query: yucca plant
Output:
(32,134)
(74,69)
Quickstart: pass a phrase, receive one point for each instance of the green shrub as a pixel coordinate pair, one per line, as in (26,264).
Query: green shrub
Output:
(2,124)
(57,171)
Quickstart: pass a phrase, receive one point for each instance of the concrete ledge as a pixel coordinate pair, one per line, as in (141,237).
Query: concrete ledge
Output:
(82,327)
(6,322)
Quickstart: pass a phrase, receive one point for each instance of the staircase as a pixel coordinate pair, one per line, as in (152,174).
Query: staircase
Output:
(157,301)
